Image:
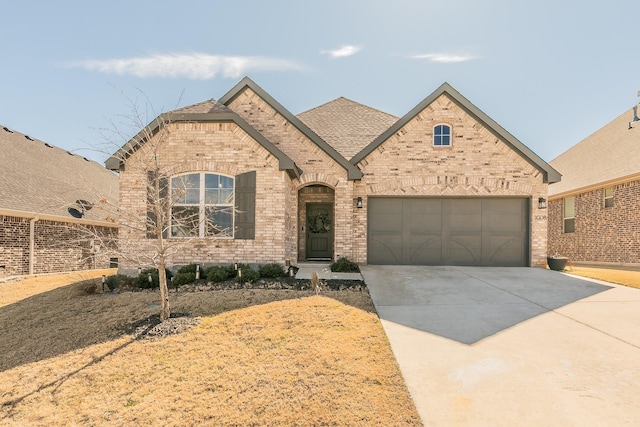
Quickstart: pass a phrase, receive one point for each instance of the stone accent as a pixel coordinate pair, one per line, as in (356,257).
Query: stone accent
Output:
(476,164)
(602,235)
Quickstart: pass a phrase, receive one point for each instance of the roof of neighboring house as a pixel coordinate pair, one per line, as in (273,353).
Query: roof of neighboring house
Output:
(352,171)
(346,125)
(550,174)
(609,154)
(38,178)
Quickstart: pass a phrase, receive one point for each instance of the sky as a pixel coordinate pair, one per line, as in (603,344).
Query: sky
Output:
(77,74)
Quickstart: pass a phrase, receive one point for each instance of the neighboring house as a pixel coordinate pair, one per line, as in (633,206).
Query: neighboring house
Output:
(594,213)
(46,224)
(442,185)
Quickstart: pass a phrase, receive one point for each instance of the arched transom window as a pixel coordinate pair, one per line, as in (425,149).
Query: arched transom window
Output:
(202,205)
(442,135)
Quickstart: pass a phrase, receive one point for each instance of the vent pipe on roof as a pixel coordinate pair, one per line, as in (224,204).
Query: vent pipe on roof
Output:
(634,122)
(6,129)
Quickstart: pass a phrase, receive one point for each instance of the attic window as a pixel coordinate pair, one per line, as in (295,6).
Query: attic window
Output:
(6,129)
(442,136)
(29,138)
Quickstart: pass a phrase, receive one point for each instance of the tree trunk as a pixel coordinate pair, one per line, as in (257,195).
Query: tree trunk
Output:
(165,310)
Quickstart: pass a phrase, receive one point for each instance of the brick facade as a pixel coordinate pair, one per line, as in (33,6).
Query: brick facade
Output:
(58,246)
(602,235)
(221,148)
(476,164)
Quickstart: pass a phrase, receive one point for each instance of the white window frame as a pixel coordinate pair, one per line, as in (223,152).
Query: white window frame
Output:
(442,135)
(608,199)
(565,217)
(202,206)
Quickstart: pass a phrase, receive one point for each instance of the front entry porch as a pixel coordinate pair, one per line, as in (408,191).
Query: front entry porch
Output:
(316,223)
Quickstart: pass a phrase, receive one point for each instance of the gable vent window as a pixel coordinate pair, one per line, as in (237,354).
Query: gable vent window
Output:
(203,205)
(569,214)
(442,136)
(608,197)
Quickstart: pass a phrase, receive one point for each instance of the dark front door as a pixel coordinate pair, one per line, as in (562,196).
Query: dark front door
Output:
(319,231)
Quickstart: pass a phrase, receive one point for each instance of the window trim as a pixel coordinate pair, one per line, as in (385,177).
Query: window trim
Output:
(203,206)
(609,199)
(441,135)
(566,218)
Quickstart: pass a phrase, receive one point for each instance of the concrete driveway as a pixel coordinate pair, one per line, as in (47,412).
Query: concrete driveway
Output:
(512,346)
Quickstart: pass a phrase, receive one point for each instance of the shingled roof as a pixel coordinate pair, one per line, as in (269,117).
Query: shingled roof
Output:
(346,125)
(610,154)
(38,178)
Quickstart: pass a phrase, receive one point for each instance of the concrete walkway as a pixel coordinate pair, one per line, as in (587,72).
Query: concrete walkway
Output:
(511,346)
(324,272)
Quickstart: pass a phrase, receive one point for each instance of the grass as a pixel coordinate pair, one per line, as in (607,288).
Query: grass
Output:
(622,277)
(258,357)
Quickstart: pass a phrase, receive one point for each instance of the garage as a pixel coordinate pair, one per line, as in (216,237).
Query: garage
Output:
(448,231)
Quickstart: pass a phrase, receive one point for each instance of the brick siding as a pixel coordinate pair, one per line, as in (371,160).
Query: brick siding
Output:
(608,235)
(58,246)
(476,164)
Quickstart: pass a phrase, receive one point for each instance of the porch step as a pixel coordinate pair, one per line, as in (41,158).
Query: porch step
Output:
(324,272)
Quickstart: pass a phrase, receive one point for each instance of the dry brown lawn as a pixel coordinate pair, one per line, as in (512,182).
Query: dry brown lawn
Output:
(258,357)
(621,277)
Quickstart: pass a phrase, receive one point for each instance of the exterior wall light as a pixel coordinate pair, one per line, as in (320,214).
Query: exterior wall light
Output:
(542,203)
(359,203)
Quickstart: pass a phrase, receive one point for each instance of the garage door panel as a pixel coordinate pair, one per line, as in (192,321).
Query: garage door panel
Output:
(448,231)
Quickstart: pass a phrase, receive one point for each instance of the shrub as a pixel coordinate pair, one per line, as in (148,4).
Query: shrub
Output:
(248,274)
(191,268)
(143,278)
(118,281)
(271,270)
(343,265)
(219,273)
(183,279)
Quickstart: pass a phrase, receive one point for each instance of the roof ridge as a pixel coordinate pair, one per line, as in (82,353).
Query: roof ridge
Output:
(351,101)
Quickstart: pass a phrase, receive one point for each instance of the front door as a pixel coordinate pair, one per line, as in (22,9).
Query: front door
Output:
(319,231)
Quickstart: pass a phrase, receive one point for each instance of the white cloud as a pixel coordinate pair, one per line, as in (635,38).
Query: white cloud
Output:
(196,66)
(343,51)
(444,57)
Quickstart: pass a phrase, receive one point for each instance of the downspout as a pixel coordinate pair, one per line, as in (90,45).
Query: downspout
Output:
(32,243)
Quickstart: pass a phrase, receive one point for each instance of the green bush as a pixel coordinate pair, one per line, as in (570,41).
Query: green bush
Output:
(191,268)
(343,265)
(143,278)
(271,270)
(118,281)
(220,273)
(248,274)
(183,279)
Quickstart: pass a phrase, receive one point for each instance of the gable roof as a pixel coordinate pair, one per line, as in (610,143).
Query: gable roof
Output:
(346,125)
(609,154)
(352,171)
(550,174)
(40,179)
(206,111)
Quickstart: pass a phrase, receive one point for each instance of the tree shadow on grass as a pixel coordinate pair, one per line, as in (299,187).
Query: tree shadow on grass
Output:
(66,319)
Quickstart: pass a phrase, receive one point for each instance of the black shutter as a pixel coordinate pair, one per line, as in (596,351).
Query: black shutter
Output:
(245,211)
(152,220)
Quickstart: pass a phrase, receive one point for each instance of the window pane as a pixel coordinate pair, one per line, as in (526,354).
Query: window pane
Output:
(226,196)
(445,140)
(186,188)
(226,182)
(211,196)
(608,203)
(608,192)
(569,207)
(569,225)
(219,221)
(184,221)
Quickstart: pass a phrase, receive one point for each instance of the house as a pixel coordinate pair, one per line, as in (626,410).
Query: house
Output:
(46,221)
(442,185)
(593,213)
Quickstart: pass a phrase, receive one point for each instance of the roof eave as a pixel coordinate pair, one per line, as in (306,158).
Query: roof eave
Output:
(117,160)
(550,175)
(353,173)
